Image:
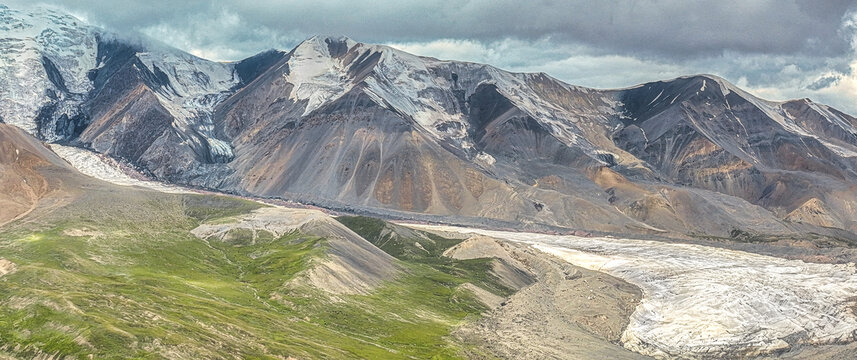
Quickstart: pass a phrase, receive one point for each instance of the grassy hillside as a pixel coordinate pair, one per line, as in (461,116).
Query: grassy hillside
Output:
(117,274)
(418,247)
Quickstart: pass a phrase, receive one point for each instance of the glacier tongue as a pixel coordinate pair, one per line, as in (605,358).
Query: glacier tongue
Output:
(701,301)
(106,169)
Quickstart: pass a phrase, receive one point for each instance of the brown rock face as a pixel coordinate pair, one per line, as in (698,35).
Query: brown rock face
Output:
(29,174)
(814,212)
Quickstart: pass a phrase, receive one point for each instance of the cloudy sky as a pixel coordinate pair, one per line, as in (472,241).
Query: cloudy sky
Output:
(778,49)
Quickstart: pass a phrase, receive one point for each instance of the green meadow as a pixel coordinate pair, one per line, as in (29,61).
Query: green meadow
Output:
(129,280)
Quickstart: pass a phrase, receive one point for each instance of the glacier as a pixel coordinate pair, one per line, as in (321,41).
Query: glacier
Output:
(701,301)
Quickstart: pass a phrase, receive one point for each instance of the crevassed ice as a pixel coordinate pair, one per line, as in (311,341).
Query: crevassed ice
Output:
(94,165)
(27,35)
(700,300)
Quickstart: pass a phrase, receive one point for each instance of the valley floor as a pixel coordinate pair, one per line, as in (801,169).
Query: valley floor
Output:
(700,300)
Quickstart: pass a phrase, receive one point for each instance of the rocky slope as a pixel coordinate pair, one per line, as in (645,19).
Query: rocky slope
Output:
(183,276)
(568,313)
(226,276)
(369,128)
(31,176)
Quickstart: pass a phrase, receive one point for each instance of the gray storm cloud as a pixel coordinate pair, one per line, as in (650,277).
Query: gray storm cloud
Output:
(676,28)
(789,48)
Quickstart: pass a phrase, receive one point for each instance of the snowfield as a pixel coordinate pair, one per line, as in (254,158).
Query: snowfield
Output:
(29,39)
(705,301)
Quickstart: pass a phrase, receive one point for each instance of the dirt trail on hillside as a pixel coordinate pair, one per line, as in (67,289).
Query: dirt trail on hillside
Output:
(7,267)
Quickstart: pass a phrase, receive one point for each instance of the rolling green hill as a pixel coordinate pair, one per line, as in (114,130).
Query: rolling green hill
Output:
(118,274)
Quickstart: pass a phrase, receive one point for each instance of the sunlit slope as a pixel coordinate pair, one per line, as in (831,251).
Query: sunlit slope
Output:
(120,279)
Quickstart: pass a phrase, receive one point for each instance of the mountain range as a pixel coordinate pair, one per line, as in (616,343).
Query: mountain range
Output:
(371,129)
(344,200)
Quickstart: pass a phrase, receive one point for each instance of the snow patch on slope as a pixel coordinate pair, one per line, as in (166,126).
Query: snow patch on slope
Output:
(195,87)
(830,116)
(401,82)
(775,111)
(427,90)
(408,83)
(316,76)
(191,77)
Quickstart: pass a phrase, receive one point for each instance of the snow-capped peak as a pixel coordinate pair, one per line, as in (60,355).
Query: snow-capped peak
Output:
(44,53)
(190,76)
(46,59)
(323,68)
(315,74)
(323,41)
